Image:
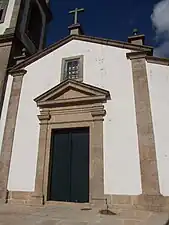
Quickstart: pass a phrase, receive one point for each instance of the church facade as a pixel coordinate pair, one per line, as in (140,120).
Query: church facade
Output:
(86,120)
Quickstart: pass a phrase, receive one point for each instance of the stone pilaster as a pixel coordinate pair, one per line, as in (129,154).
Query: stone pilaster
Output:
(8,137)
(96,156)
(39,183)
(146,142)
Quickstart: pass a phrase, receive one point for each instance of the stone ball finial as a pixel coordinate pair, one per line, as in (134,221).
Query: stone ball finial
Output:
(135,31)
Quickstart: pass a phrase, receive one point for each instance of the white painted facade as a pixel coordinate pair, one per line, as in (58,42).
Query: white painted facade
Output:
(158,79)
(102,69)
(105,67)
(8,17)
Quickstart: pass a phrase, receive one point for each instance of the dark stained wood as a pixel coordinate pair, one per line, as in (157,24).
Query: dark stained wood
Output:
(69,172)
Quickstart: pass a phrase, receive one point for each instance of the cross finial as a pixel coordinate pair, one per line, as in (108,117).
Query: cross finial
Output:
(75,12)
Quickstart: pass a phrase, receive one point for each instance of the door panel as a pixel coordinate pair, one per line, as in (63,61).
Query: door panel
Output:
(69,172)
(60,180)
(80,165)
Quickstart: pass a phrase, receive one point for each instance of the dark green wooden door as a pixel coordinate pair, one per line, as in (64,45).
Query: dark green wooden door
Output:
(69,172)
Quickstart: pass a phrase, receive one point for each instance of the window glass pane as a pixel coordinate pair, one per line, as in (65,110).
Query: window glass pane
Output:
(72,69)
(1,13)
(3,7)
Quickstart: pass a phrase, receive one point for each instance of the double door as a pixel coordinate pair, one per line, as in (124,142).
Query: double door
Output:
(69,165)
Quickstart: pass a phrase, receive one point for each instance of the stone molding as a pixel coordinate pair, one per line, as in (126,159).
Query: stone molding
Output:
(156,203)
(96,145)
(140,202)
(19,73)
(56,114)
(6,39)
(57,90)
(148,57)
(136,55)
(6,153)
(137,39)
(44,116)
(156,60)
(18,197)
(95,40)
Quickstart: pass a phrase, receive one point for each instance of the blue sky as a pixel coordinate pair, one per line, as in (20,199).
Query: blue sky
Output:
(104,18)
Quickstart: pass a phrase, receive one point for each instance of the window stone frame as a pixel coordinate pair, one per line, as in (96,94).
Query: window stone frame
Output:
(4,5)
(81,62)
(23,25)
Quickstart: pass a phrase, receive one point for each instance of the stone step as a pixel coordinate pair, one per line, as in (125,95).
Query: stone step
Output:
(75,214)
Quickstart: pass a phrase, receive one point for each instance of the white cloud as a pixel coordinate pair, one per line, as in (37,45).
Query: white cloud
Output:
(162,50)
(160,21)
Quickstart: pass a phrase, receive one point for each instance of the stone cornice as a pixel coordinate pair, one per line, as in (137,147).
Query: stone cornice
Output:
(136,55)
(73,101)
(6,37)
(95,40)
(55,96)
(149,58)
(44,116)
(157,60)
(142,36)
(17,73)
(99,113)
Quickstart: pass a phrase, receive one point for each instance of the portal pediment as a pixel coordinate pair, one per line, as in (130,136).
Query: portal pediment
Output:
(71,92)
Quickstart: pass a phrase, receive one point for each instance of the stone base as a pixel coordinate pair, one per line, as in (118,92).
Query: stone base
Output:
(28,198)
(156,203)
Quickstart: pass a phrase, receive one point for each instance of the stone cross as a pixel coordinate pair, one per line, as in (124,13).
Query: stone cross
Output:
(75,12)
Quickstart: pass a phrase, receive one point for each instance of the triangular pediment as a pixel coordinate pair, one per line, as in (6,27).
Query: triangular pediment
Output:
(71,92)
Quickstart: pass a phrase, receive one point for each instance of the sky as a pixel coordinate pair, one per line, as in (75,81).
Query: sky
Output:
(114,20)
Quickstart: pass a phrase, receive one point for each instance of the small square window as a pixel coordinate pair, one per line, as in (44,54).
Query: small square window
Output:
(72,68)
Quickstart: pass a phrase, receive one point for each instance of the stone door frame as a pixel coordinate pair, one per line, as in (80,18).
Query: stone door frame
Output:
(86,112)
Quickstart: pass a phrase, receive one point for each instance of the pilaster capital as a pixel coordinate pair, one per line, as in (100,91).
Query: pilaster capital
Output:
(17,73)
(44,116)
(99,113)
(136,55)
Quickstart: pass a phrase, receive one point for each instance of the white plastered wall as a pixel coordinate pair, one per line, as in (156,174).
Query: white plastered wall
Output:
(158,79)
(105,67)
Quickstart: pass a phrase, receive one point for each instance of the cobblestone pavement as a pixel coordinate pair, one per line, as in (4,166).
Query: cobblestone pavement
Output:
(72,214)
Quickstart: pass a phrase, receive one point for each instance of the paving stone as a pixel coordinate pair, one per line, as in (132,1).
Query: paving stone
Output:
(73,223)
(48,222)
(131,222)
(158,219)
(135,214)
(73,215)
